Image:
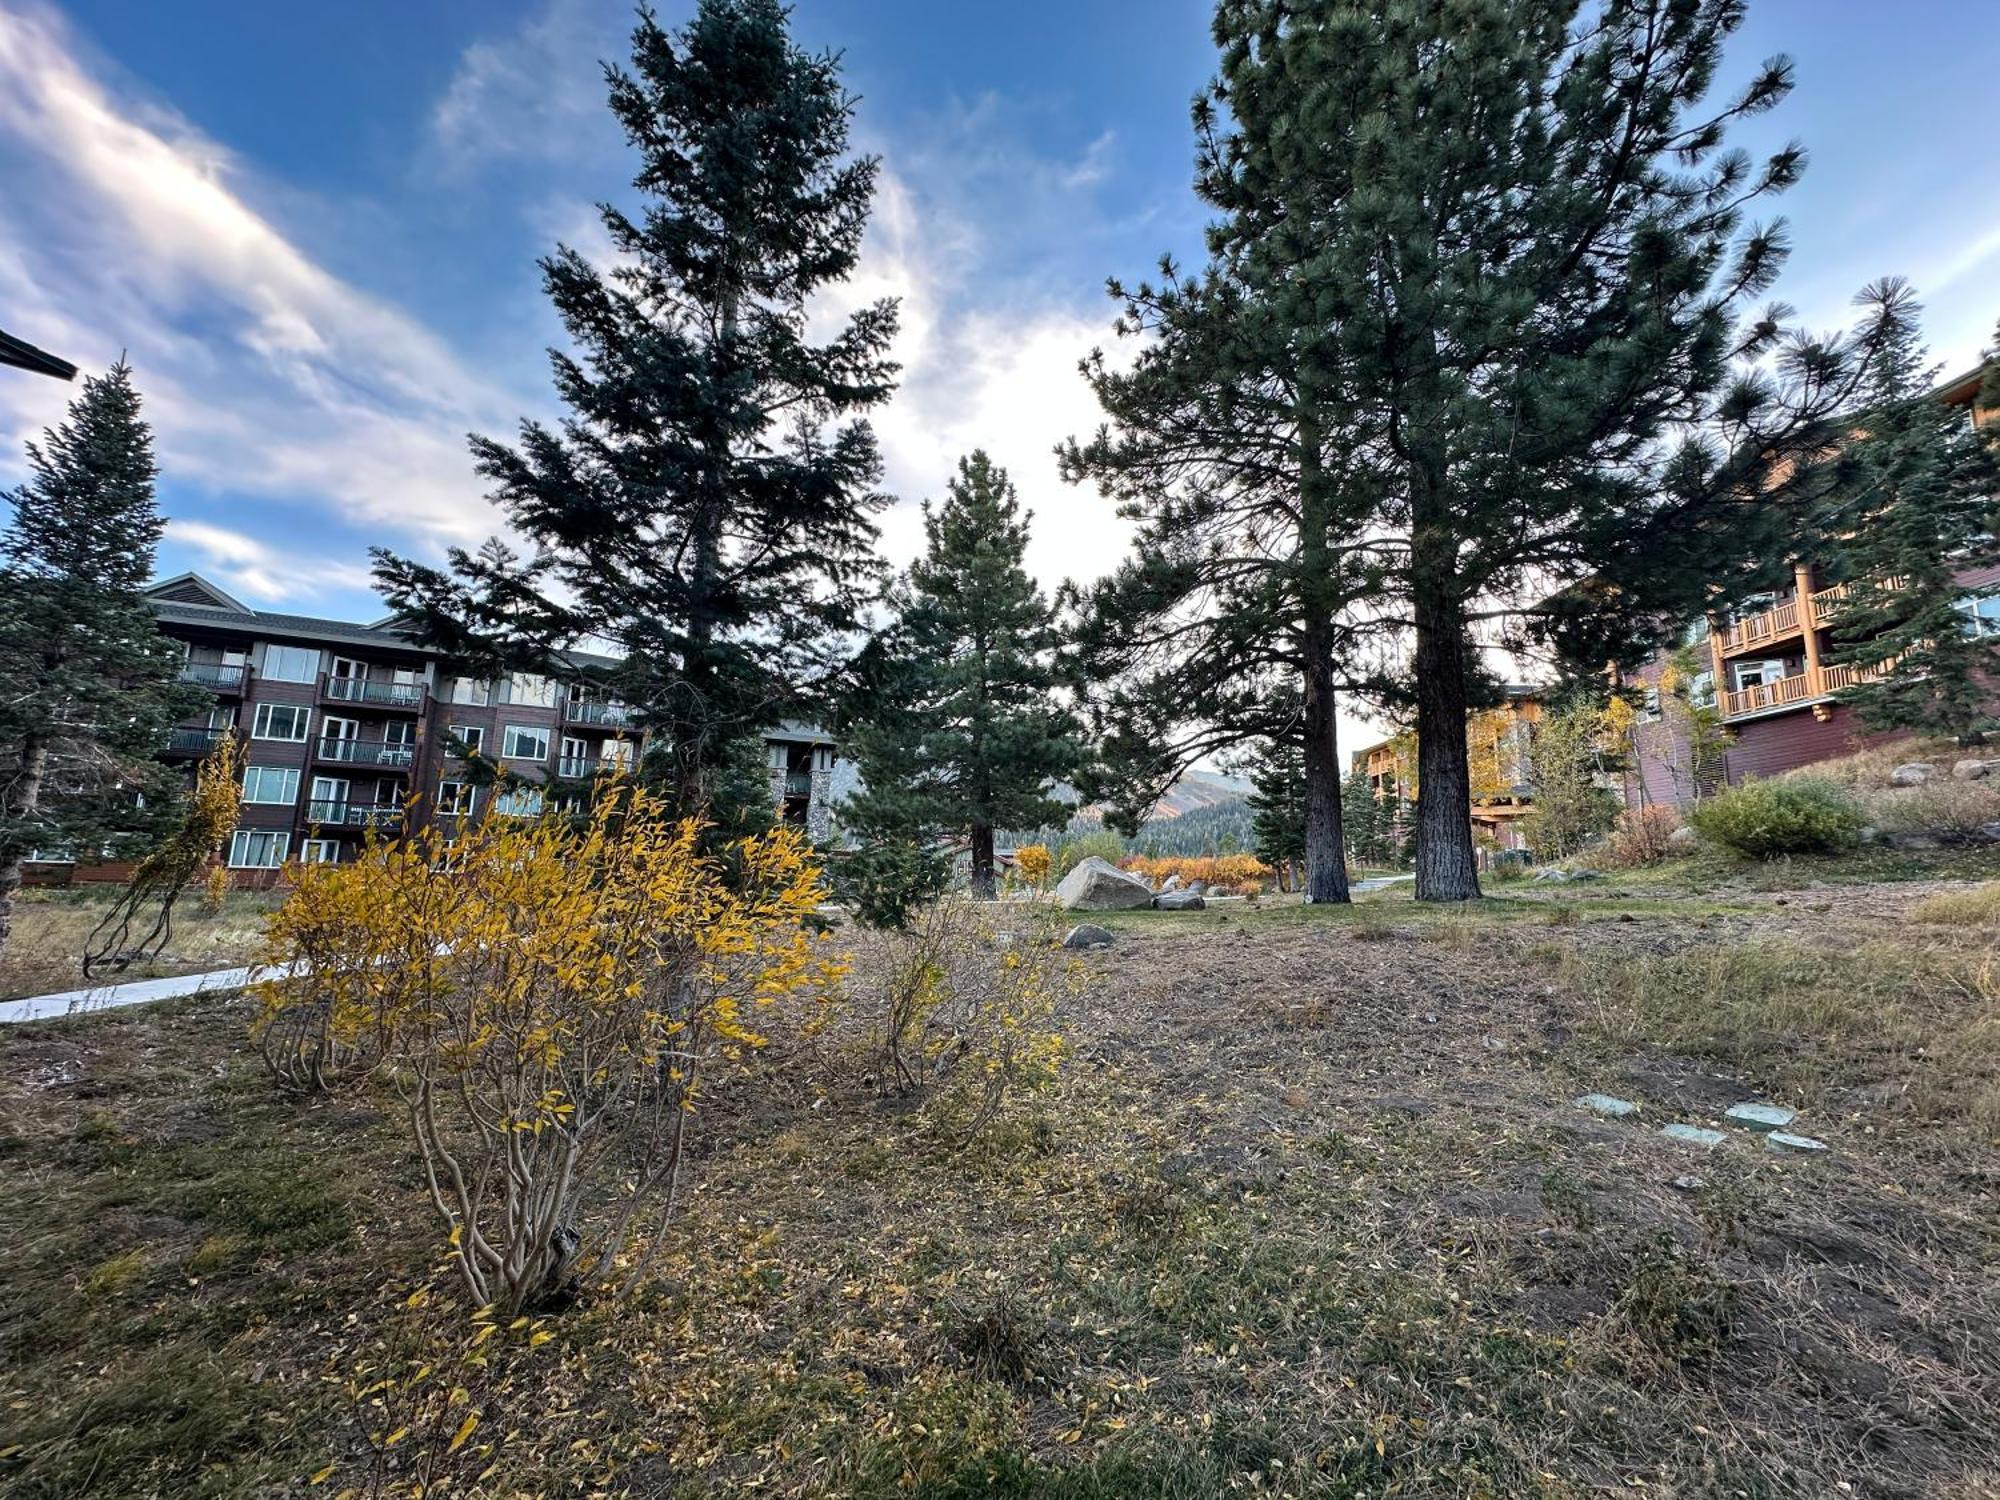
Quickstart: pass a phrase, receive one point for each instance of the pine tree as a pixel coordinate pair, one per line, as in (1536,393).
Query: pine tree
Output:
(1502,250)
(92,685)
(1278,804)
(1368,820)
(1915,512)
(967,732)
(707,505)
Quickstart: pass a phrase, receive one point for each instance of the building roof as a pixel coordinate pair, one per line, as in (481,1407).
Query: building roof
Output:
(190,599)
(23,355)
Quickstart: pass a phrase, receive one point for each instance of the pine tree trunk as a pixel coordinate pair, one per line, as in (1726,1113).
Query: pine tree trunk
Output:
(1326,858)
(26,803)
(982,862)
(1446,867)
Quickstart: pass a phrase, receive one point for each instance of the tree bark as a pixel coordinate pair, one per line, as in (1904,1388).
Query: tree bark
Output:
(982,861)
(1446,867)
(26,803)
(1326,858)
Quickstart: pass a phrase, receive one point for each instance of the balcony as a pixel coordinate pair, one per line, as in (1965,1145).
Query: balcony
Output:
(193,741)
(1762,629)
(223,677)
(354,814)
(377,753)
(1814,685)
(798,783)
(603,715)
(408,696)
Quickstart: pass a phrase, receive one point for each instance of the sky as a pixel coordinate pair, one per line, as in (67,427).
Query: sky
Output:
(313,230)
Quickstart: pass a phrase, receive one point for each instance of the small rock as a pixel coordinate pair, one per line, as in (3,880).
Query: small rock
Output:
(1682,837)
(1911,841)
(1690,1182)
(1606,1105)
(1196,887)
(1694,1135)
(1974,770)
(1551,876)
(1178,901)
(1089,935)
(1784,1140)
(1912,773)
(1171,883)
(1763,1117)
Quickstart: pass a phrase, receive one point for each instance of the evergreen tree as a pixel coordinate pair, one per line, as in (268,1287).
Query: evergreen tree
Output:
(1915,511)
(967,733)
(1368,820)
(92,685)
(707,505)
(1500,249)
(1278,804)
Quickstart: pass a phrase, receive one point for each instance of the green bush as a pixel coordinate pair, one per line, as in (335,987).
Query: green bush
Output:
(1105,843)
(1764,819)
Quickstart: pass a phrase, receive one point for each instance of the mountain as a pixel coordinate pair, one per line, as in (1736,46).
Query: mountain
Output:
(1205,812)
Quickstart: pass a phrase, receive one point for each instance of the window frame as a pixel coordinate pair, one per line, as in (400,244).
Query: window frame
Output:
(260,723)
(313,653)
(538,731)
(260,772)
(280,843)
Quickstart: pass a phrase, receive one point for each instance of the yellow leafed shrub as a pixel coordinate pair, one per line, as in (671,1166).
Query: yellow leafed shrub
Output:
(1242,873)
(1032,862)
(545,997)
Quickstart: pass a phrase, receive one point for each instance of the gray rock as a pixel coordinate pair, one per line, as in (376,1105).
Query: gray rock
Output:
(1691,1182)
(1171,883)
(1912,773)
(1764,1117)
(1178,901)
(1784,1140)
(1682,837)
(1606,1105)
(1089,935)
(1098,885)
(1196,887)
(1869,835)
(1912,841)
(1974,770)
(1694,1135)
(1586,875)
(1549,875)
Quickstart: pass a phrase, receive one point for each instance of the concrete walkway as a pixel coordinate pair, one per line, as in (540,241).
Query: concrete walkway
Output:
(134,992)
(1380,882)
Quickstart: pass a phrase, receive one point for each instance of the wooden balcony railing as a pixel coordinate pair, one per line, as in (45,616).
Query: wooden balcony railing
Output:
(1773,624)
(1809,686)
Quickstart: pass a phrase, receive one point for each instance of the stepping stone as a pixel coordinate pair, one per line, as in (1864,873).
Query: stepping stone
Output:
(1694,1135)
(1605,1104)
(1765,1117)
(1784,1140)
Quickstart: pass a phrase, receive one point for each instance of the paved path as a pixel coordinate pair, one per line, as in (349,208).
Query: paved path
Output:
(1380,882)
(136,992)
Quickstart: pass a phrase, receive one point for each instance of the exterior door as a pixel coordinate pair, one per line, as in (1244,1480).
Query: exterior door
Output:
(329,800)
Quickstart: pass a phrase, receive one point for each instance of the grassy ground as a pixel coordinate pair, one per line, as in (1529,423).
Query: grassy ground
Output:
(52,928)
(1310,1213)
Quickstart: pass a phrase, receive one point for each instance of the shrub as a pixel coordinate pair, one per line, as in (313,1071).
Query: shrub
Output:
(547,995)
(1643,835)
(1105,844)
(1244,874)
(1944,808)
(1765,819)
(1032,862)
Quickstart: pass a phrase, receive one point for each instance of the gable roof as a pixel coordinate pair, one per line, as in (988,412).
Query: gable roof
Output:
(192,588)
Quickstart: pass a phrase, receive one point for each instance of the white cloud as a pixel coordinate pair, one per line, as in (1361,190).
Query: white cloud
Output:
(262,371)
(243,565)
(536,93)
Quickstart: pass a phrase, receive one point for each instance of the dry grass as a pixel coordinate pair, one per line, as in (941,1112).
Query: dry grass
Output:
(1977,907)
(51,928)
(1309,1214)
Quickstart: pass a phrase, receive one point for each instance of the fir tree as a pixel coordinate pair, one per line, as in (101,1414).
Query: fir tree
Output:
(92,685)
(967,732)
(1915,512)
(1368,820)
(1494,256)
(707,505)
(1278,804)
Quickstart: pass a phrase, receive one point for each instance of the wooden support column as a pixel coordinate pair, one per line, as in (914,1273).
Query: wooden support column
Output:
(1809,630)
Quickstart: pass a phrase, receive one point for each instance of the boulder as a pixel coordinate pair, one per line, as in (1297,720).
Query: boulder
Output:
(1088,935)
(1171,883)
(1099,885)
(1682,838)
(1912,773)
(1911,840)
(1974,770)
(1196,887)
(1178,901)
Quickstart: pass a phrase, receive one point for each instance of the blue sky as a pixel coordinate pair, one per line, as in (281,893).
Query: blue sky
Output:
(314,228)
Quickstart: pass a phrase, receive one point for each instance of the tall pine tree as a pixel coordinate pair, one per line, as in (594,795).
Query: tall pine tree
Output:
(92,685)
(1914,512)
(1278,805)
(967,732)
(1506,250)
(707,505)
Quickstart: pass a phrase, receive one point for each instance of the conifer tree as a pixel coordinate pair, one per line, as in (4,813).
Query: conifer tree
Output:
(1369,821)
(967,731)
(1915,511)
(1278,804)
(91,685)
(1493,257)
(706,506)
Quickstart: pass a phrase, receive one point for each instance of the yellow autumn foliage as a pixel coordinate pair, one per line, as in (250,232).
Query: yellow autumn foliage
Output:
(1032,862)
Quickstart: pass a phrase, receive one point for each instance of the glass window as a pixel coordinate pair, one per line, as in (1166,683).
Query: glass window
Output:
(271,784)
(281,721)
(471,690)
(525,742)
(320,851)
(291,663)
(472,736)
(1983,615)
(519,802)
(252,850)
(525,687)
(1701,690)
(455,799)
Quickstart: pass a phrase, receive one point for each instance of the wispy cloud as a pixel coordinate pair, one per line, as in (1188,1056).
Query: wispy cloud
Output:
(259,571)
(535,93)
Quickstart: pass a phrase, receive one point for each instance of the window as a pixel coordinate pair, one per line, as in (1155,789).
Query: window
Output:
(1649,705)
(1982,615)
(471,690)
(455,799)
(525,687)
(1701,690)
(472,736)
(251,850)
(524,742)
(617,753)
(291,664)
(1751,674)
(281,721)
(519,802)
(320,851)
(575,760)
(272,784)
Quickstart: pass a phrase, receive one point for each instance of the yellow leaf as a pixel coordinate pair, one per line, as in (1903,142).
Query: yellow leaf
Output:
(465,1430)
(320,1478)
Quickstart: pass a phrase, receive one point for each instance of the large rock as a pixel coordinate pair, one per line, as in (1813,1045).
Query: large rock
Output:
(1912,773)
(1171,883)
(1974,770)
(1099,885)
(1088,935)
(1682,837)
(1178,901)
